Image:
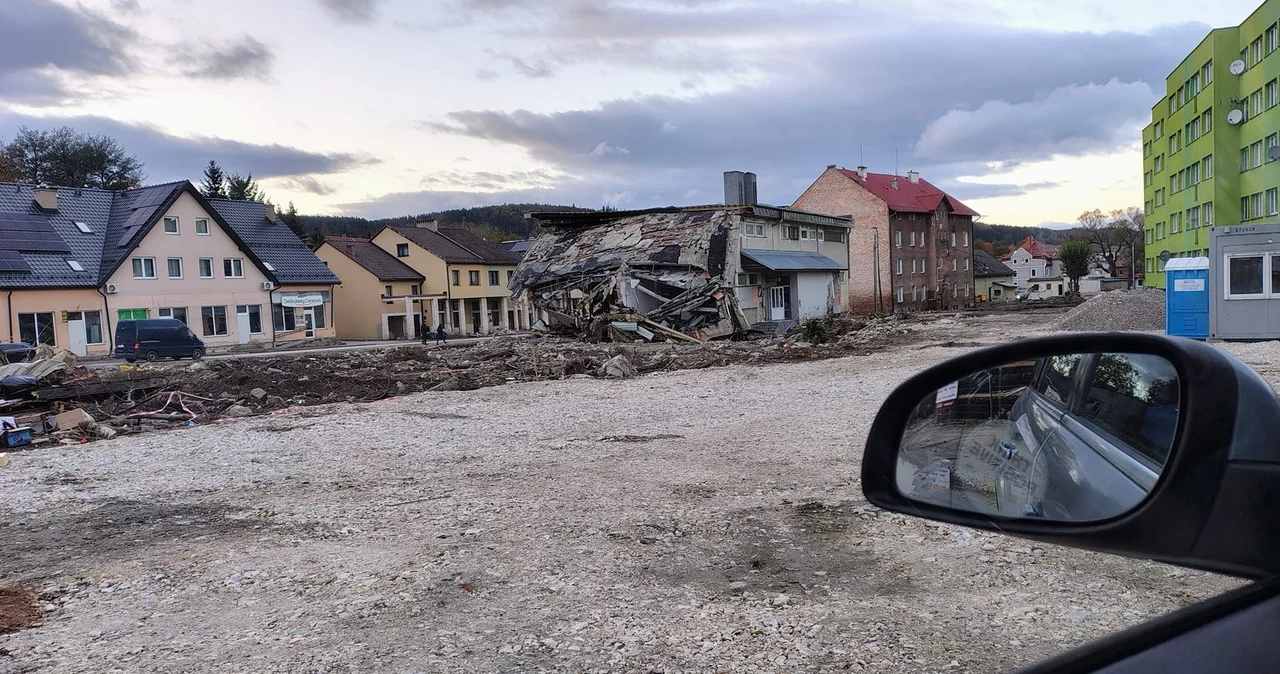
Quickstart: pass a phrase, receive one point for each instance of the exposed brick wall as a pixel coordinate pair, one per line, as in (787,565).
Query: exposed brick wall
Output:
(833,193)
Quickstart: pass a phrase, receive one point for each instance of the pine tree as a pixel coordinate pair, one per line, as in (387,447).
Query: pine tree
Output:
(215,184)
(244,188)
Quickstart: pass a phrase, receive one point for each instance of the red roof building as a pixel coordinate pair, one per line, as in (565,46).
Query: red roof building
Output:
(1038,249)
(911,247)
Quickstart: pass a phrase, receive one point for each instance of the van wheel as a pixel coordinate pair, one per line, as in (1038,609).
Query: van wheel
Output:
(197,354)
(152,356)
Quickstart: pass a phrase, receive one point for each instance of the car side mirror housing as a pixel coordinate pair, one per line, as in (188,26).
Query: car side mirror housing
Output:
(1131,444)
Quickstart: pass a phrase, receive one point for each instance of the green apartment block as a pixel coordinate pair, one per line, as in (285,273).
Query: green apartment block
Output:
(1206,156)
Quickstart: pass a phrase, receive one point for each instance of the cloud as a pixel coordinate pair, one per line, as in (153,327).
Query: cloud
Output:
(125,6)
(489,181)
(352,11)
(168,157)
(45,46)
(1071,120)
(972,190)
(486,75)
(935,107)
(308,184)
(246,58)
(535,68)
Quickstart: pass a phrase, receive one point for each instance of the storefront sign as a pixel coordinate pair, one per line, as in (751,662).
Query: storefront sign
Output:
(302,300)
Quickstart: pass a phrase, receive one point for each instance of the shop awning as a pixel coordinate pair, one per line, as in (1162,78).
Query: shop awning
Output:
(792,260)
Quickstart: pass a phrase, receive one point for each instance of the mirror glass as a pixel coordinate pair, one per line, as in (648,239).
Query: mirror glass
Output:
(1070,438)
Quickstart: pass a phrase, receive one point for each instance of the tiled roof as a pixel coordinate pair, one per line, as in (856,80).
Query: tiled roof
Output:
(908,197)
(117,221)
(375,260)
(1037,248)
(458,246)
(272,242)
(985,265)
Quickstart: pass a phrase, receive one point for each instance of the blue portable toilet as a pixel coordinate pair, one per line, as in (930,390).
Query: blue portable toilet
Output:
(1187,297)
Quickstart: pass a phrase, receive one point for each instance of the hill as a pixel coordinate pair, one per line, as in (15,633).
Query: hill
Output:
(495,223)
(998,239)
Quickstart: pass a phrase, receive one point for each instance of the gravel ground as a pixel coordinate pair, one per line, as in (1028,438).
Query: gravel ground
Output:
(707,520)
(1117,310)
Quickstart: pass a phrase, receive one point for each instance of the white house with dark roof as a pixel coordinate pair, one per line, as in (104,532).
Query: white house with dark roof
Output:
(73,261)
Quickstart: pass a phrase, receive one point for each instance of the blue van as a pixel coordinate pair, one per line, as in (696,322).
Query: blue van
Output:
(156,338)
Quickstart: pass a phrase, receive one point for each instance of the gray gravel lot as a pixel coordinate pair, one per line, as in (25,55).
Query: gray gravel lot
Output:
(706,520)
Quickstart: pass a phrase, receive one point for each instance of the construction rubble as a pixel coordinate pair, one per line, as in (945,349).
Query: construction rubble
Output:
(70,404)
(657,275)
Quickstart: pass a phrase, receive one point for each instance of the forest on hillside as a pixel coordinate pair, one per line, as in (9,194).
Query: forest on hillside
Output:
(502,222)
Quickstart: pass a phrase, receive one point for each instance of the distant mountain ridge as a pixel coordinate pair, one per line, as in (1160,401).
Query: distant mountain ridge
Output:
(495,223)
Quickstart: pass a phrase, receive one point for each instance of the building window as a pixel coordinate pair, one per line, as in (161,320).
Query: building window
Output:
(414,290)
(1193,129)
(170,225)
(1273,201)
(966,263)
(455,278)
(1206,121)
(1245,276)
(1206,214)
(1271,38)
(144,267)
(233,267)
(1159,230)
(202,226)
(953,238)
(175,267)
(386,292)
(1193,174)
(495,278)
(1146,179)
(206,267)
(1271,142)
(1192,217)
(966,239)
(283,318)
(131,314)
(83,227)
(899,295)
(1173,222)
(955,264)
(747,279)
(753,228)
(1206,73)
(898,268)
(1146,150)
(1207,171)
(402,250)
(1257,51)
(1159,130)
(92,324)
(1159,197)
(254,311)
(214,320)
(1255,104)
(1033,272)
(897,238)
(179,313)
(1173,184)
(511,274)
(36,328)
(1159,163)
(473,277)
(914,293)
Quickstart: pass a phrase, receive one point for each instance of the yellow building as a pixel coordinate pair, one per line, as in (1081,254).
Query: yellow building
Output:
(73,261)
(370,274)
(465,276)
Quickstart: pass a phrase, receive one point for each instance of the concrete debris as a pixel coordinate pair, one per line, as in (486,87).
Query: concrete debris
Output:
(261,393)
(618,367)
(670,267)
(1116,311)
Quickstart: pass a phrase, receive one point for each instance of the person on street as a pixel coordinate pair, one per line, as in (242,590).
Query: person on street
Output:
(440,335)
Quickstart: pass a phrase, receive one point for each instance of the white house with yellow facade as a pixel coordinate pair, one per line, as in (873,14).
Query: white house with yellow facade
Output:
(75,260)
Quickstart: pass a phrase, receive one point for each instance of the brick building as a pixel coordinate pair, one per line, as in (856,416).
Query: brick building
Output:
(911,247)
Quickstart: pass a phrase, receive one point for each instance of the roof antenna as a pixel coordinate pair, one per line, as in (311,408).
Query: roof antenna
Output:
(895,163)
(862,161)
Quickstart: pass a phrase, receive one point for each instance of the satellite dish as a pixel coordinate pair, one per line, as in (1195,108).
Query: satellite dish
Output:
(1273,153)
(1235,117)
(1237,67)
(1165,255)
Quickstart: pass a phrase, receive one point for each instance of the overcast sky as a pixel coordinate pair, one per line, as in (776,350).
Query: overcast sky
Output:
(1031,112)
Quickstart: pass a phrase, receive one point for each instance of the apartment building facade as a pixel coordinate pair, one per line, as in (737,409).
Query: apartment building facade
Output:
(1211,154)
(912,246)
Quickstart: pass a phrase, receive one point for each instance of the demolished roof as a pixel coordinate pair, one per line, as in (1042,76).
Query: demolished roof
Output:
(456,246)
(905,196)
(373,259)
(985,265)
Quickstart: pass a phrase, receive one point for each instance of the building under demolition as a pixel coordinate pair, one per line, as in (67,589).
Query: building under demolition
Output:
(701,272)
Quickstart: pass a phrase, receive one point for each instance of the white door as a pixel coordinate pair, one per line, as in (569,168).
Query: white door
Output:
(79,338)
(242,325)
(778,303)
(309,321)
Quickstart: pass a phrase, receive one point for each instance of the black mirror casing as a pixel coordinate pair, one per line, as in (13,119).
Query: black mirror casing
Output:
(1214,505)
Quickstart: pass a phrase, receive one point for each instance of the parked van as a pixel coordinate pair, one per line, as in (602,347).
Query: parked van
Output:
(156,338)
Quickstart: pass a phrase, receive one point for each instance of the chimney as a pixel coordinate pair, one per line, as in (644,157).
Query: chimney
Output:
(739,188)
(47,198)
(427,223)
(862,172)
(831,166)
(913,177)
(271,211)
(894,183)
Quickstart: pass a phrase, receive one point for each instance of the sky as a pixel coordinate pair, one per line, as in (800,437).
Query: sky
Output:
(1030,112)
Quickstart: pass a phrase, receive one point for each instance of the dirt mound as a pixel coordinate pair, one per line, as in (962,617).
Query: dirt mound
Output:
(1116,311)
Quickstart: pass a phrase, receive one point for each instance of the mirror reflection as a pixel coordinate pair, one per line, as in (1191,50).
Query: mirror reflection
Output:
(1070,438)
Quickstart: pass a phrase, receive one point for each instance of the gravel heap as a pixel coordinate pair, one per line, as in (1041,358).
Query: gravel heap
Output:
(1118,310)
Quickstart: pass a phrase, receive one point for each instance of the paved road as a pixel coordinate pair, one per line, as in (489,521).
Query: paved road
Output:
(355,346)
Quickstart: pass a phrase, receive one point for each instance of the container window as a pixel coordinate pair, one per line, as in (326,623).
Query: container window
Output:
(1244,277)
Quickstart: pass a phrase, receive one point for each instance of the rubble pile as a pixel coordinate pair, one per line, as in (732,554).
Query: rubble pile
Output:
(1116,311)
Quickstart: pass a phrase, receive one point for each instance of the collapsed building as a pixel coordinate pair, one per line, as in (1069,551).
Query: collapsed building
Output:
(704,272)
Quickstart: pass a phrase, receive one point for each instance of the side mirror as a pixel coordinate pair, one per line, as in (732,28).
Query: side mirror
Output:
(1131,444)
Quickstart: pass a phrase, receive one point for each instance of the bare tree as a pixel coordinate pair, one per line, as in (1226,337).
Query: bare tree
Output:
(1114,236)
